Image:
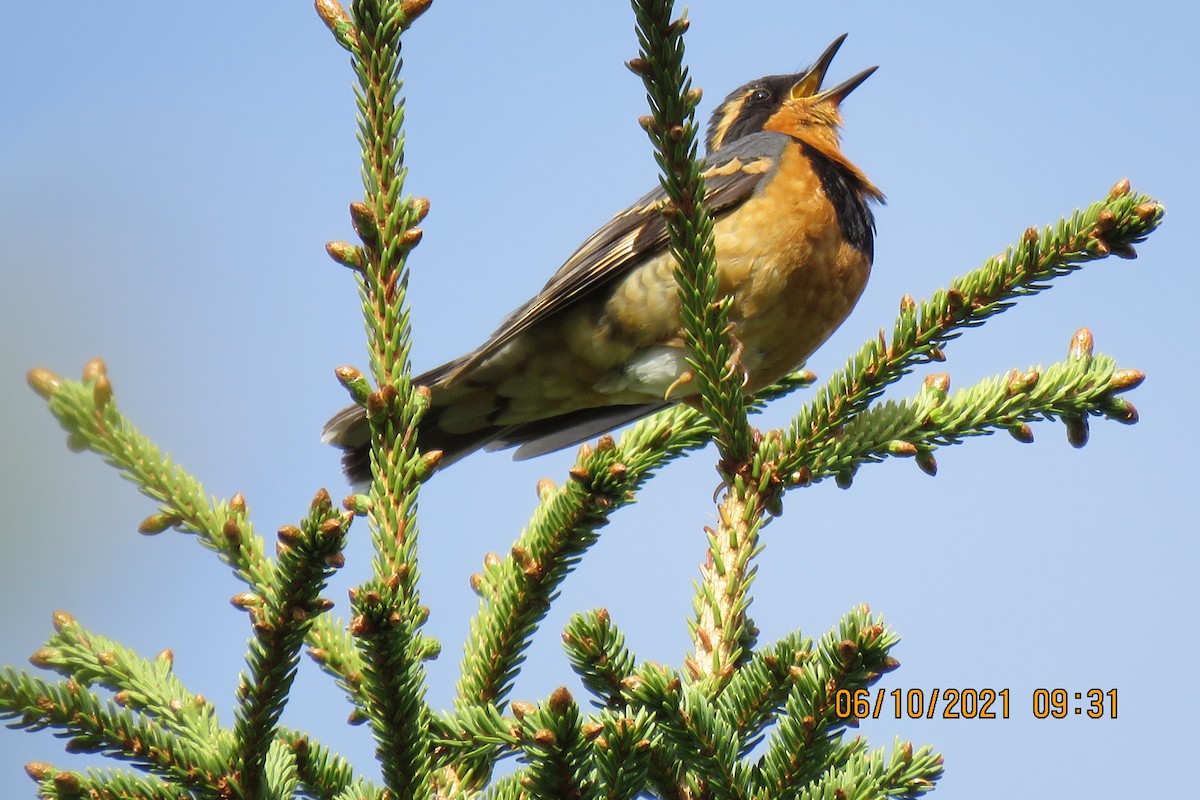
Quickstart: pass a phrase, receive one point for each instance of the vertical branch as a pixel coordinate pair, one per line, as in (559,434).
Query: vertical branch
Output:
(387,615)
(672,128)
(721,629)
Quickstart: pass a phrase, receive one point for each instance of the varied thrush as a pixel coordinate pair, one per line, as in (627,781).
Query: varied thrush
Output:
(600,345)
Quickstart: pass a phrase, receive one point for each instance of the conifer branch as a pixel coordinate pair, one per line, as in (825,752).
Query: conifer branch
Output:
(87,411)
(320,771)
(598,655)
(281,618)
(700,744)
(387,615)
(516,590)
(55,784)
(148,687)
(1111,226)
(760,687)
(1084,385)
(671,126)
(556,752)
(96,726)
(903,774)
(809,729)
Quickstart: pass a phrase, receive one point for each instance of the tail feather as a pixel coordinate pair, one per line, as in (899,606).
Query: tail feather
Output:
(349,430)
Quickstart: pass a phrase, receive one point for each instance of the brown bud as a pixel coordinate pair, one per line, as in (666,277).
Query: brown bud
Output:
(590,730)
(419,206)
(605,443)
(68,782)
(76,442)
(45,657)
(1119,189)
(1122,411)
(639,66)
(1147,211)
(1106,220)
(561,701)
(290,535)
(61,620)
(411,238)
(331,527)
(94,369)
(477,584)
(907,304)
(680,25)
(157,523)
(39,770)
(1124,380)
(245,601)
(165,656)
(347,255)
(545,488)
(580,474)
(43,381)
(1018,383)
(938,382)
(847,650)
(694,96)
(927,463)
(232,531)
(321,503)
(106,658)
(936,354)
(1082,344)
(618,471)
(1123,250)
(1077,430)
(411,9)
(1031,235)
(102,391)
(901,448)
(545,737)
(363,221)
(521,709)
(1022,433)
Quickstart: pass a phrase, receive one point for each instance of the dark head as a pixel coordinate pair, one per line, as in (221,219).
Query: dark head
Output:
(768,103)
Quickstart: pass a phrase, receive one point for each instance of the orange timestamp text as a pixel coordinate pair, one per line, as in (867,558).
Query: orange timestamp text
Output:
(971,703)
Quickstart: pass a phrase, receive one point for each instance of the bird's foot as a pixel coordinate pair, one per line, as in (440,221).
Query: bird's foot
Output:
(733,365)
(685,377)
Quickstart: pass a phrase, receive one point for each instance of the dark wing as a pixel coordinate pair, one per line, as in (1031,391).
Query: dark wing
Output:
(731,175)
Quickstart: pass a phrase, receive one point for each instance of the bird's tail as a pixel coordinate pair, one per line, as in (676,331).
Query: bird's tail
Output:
(442,429)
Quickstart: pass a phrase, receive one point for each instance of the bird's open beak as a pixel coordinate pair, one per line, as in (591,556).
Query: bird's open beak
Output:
(838,93)
(810,83)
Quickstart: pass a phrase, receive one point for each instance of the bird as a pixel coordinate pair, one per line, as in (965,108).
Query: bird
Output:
(601,344)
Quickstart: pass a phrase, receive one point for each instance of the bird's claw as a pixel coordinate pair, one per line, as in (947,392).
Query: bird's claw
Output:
(733,364)
(685,377)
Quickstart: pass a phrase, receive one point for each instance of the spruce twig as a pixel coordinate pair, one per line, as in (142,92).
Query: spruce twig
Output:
(387,612)
(671,126)
(921,331)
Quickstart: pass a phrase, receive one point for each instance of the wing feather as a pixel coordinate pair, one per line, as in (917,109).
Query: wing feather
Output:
(732,174)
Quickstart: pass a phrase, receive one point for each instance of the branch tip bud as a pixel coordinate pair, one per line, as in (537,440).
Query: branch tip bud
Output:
(1077,430)
(346,254)
(61,620)
(43,381)
(1119,189)
(1082,345)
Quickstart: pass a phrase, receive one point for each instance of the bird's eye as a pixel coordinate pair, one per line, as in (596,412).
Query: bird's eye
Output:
(760,96)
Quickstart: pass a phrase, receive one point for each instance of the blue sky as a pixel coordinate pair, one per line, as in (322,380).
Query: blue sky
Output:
(169,176)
